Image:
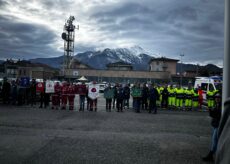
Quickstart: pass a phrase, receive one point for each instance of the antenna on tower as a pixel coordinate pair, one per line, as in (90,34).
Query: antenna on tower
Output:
(68,37)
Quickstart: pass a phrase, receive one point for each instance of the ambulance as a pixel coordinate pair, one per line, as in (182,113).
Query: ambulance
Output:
(207,83)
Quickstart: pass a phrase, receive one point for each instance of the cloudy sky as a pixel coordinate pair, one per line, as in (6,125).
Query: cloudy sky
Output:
(195,28)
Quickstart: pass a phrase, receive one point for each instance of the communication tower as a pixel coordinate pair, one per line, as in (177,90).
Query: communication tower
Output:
(68,37)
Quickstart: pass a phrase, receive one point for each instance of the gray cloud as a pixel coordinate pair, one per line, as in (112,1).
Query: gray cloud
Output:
(166,27)
(24,39)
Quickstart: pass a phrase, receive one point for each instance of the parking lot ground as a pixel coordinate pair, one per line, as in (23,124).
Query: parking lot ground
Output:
(34,135)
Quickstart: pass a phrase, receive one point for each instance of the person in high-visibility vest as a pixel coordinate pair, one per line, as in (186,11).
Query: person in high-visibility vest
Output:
(158,88)
(195,99)
(210,98)
(179,97)
(188,98)
(171,98)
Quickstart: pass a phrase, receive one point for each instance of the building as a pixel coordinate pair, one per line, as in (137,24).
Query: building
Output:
(163,64)
(116,72)
(23,68)
(76,64)
(120,66)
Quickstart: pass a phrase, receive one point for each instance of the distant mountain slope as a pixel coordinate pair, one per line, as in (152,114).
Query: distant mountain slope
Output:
(202,70)
(134,55)
(100,59)
(54,62)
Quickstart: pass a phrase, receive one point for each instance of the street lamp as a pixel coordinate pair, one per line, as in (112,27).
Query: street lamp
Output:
(181,55)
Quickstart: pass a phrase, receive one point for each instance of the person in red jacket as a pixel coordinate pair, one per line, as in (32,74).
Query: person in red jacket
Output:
(71,96)
(64,95)
(56,96)
(200,100)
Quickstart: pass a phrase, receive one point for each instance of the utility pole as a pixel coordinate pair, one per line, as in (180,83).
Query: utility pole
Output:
(181,55)
(226,66)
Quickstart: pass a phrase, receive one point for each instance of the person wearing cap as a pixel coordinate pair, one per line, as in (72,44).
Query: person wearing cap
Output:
(215,114)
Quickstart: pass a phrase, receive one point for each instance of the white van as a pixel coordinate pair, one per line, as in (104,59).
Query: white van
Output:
(207,83)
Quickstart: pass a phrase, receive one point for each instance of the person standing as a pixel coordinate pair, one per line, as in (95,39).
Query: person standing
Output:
(71,96)
(215,114)
(6,88)
(153,97)
(64,95)
(82,96)
(56,96)
(164,101)
(115,95)
(93,100)
(179,97)
(44,99)
(33,92)
(136,94)
(120,97)
(144,97)
(200,99)
(188,98)
(126,96)
(195,99)
(171,97)
(210,98)
(14,92)
(108,95)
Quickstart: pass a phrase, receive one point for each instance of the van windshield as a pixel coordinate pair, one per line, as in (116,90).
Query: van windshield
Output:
(218,86)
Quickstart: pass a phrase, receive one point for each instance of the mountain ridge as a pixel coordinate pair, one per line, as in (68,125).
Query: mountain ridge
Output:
(135,56)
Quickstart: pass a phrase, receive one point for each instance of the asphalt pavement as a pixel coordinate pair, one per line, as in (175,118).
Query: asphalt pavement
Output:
(33,135)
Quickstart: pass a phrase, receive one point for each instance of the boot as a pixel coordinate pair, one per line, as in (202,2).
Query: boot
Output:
(209,157)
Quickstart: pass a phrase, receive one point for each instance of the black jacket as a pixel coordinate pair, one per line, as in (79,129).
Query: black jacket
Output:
(215,113)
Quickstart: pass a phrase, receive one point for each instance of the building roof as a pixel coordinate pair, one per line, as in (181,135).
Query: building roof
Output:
(119,64)
(163,59)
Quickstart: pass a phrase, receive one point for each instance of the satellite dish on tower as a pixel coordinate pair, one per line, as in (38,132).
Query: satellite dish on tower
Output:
(63,36)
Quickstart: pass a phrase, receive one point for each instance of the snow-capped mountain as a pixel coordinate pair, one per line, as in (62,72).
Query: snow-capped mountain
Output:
(99,59)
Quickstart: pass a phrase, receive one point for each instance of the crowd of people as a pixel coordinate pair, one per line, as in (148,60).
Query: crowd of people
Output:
(147,97)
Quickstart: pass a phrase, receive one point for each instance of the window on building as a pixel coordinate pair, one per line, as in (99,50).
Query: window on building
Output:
(157,62)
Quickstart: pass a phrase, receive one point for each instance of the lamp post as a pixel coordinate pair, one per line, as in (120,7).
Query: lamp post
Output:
(181,55)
